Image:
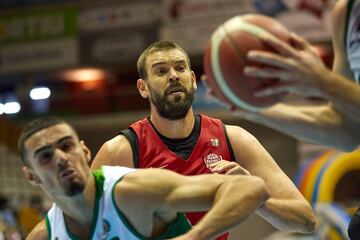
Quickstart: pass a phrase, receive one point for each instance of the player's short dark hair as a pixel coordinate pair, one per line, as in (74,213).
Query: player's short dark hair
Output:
(34,127)
(162,45)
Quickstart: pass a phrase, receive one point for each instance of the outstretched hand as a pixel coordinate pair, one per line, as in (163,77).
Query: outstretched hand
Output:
(297,66)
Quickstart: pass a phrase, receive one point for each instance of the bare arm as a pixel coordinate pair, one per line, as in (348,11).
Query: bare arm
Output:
(157,190)
(340,64)
(39,232)
(302,72)
(340,88)
(317,124)
(115,152)
(286,208)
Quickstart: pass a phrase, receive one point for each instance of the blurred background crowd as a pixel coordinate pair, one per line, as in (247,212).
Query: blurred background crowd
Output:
(19,215)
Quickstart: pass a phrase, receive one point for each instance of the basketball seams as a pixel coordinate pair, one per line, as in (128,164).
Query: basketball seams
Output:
(240,54)
(216,39)
(228,47)
(236,24)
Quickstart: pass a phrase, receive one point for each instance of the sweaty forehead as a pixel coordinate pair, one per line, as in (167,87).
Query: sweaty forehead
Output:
(173,55)
(48,136)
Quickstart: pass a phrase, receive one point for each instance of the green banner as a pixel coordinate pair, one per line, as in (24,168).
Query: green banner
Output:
(37,25)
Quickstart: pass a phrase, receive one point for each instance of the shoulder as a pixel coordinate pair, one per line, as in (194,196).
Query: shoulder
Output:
(116,151)
(338,19)
(238,134)
(340,8)
(39,232)
(116,143)
(248,151)
(208,118)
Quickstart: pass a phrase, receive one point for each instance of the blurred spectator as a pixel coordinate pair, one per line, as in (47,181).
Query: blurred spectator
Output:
(13,234)
(8,221)
(31,214)
(7,215)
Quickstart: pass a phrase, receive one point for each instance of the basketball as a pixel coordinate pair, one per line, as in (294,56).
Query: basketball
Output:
(225,59)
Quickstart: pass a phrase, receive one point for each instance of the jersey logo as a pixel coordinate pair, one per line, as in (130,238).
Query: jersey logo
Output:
(211,159)
(214,142)
(107,228)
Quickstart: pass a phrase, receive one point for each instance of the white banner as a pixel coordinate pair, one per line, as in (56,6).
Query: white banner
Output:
(119,16)
(190,23)
(39,56)
(190,10)
(193,38)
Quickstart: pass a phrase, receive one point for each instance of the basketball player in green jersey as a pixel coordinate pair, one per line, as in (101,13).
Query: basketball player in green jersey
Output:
(122,203)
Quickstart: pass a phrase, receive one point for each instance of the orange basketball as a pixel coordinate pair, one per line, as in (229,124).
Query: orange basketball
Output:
(225,58)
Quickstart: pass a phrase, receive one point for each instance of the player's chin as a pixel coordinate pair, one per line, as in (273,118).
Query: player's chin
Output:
(74,188)
(176,99)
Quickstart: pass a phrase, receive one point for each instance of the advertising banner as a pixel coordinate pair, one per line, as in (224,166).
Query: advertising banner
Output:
(37,25)
(119,16)
(39,56)
(38,40)
(115,47)
(112,35)
(191,22)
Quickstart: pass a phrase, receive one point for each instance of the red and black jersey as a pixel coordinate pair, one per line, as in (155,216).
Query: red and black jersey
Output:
(211,145)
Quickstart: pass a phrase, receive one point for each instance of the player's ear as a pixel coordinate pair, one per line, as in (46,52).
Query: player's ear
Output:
(31,176)
(193,79)
(86,151)
(142,87)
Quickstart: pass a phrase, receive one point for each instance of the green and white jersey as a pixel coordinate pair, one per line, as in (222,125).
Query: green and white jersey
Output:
(352,37)
(108,223)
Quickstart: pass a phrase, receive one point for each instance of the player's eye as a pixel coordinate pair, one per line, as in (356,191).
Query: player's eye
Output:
(67,146)
(180,68)
(160,71)
(45,157)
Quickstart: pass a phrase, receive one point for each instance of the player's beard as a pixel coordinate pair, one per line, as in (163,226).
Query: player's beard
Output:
(172,108)
(74,188)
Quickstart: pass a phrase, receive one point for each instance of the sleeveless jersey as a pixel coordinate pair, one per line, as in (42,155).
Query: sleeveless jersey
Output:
(211,147)
(352,37)
(108,222)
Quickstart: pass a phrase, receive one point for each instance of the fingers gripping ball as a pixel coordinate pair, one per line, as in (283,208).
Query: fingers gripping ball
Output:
(225,58)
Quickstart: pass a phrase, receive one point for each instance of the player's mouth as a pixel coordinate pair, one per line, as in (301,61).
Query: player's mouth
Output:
(67,174)
(175,91)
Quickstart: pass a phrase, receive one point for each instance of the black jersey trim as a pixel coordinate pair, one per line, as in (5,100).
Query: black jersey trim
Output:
(131,136)
(182,147)
(231,151)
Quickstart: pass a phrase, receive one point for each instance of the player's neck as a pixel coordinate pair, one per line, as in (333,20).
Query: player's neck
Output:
(79,209)
(173,129)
